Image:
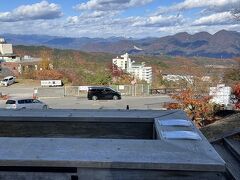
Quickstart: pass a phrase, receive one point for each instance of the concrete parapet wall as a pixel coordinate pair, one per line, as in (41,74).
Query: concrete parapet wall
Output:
(102,144)
(118,130)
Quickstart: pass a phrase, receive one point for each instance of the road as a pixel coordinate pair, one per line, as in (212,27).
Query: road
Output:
(147,102)
(17,91)
(150,102)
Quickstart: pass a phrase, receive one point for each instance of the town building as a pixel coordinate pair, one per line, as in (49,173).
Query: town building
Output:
(11,64)
(6,52)
(178,77)
(139,71)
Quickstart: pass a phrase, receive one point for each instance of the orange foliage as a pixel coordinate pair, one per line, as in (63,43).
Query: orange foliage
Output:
(236,91)
(123,79)
(115,70)
(198,108)
(48,74)
(4,97)
(173,106)
(45,60)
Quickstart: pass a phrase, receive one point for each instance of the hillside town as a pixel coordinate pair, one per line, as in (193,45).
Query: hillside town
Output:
(120,90)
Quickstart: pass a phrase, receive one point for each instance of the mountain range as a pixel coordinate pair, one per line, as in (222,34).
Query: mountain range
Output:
(222,44)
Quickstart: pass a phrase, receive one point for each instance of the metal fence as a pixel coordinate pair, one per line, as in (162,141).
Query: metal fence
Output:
(165,91)
(76,91)
(133,90)
(71,91)
(49,92)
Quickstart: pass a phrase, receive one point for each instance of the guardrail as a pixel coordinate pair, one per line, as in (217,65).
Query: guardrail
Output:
(164,91)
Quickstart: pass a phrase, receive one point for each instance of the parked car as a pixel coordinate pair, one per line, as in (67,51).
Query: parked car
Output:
(95,93)
(25,104)
(8,81)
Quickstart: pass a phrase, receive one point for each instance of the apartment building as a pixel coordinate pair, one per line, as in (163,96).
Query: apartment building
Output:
(139,71)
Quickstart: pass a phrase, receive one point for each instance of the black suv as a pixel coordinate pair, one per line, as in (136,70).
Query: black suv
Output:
(95,93)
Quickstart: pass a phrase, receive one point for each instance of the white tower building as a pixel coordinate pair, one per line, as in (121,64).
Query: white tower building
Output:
(138,71)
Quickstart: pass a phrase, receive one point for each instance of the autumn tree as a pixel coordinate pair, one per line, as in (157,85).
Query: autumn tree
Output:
(45,60)
(48,74)
(233,76)
(199,108)
(236,91)
(29,73)
(115,70)
(102,78)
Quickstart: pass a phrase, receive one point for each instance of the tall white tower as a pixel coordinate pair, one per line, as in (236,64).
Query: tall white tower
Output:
(127,60)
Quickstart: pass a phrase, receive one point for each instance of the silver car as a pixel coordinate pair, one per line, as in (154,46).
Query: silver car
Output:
(8,81)
(25,104)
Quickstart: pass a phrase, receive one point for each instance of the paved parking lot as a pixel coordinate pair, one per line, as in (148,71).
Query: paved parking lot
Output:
(148,102)
(151,102)
(17,91)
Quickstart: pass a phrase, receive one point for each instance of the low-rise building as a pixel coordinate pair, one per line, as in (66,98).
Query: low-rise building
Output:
(5,48)
(6,52)
(11,64)
(178,77)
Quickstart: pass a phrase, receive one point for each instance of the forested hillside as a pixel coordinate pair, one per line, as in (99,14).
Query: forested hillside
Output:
(82,68)
(222,44)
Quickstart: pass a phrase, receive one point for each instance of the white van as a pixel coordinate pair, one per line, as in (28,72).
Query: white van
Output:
(8,81)
(27,103)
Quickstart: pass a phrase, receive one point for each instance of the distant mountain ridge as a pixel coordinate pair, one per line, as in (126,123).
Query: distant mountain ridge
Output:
(223,44)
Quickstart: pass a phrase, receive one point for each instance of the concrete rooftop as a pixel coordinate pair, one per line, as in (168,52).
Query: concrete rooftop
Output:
(158,153)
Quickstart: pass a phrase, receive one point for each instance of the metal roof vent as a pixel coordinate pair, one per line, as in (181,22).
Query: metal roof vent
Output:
(175,122)
(180,135)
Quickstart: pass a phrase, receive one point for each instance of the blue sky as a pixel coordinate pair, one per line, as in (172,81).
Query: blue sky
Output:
(126,18)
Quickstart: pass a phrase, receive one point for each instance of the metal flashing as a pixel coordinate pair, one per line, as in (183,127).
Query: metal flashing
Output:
(180,135)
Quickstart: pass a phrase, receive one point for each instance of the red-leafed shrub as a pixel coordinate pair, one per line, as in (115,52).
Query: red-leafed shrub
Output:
(48,74)
(198,108)
(236,91)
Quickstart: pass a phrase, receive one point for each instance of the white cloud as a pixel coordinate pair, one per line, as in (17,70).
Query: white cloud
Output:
(159,21)
(217,5)
(42,10)
(105,28)
(104,8)
(51,27)
(101,18)
(215,19)
(73,19)
(110,5)
(91,17)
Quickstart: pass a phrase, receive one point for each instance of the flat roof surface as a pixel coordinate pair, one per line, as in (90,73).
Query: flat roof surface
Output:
(107,153)
(88,115)
(155,154)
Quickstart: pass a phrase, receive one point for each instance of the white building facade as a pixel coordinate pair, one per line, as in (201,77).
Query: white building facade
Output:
(140,72)
(124,62)
(221,94)
(6,52)
(176,77)
(5,49)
